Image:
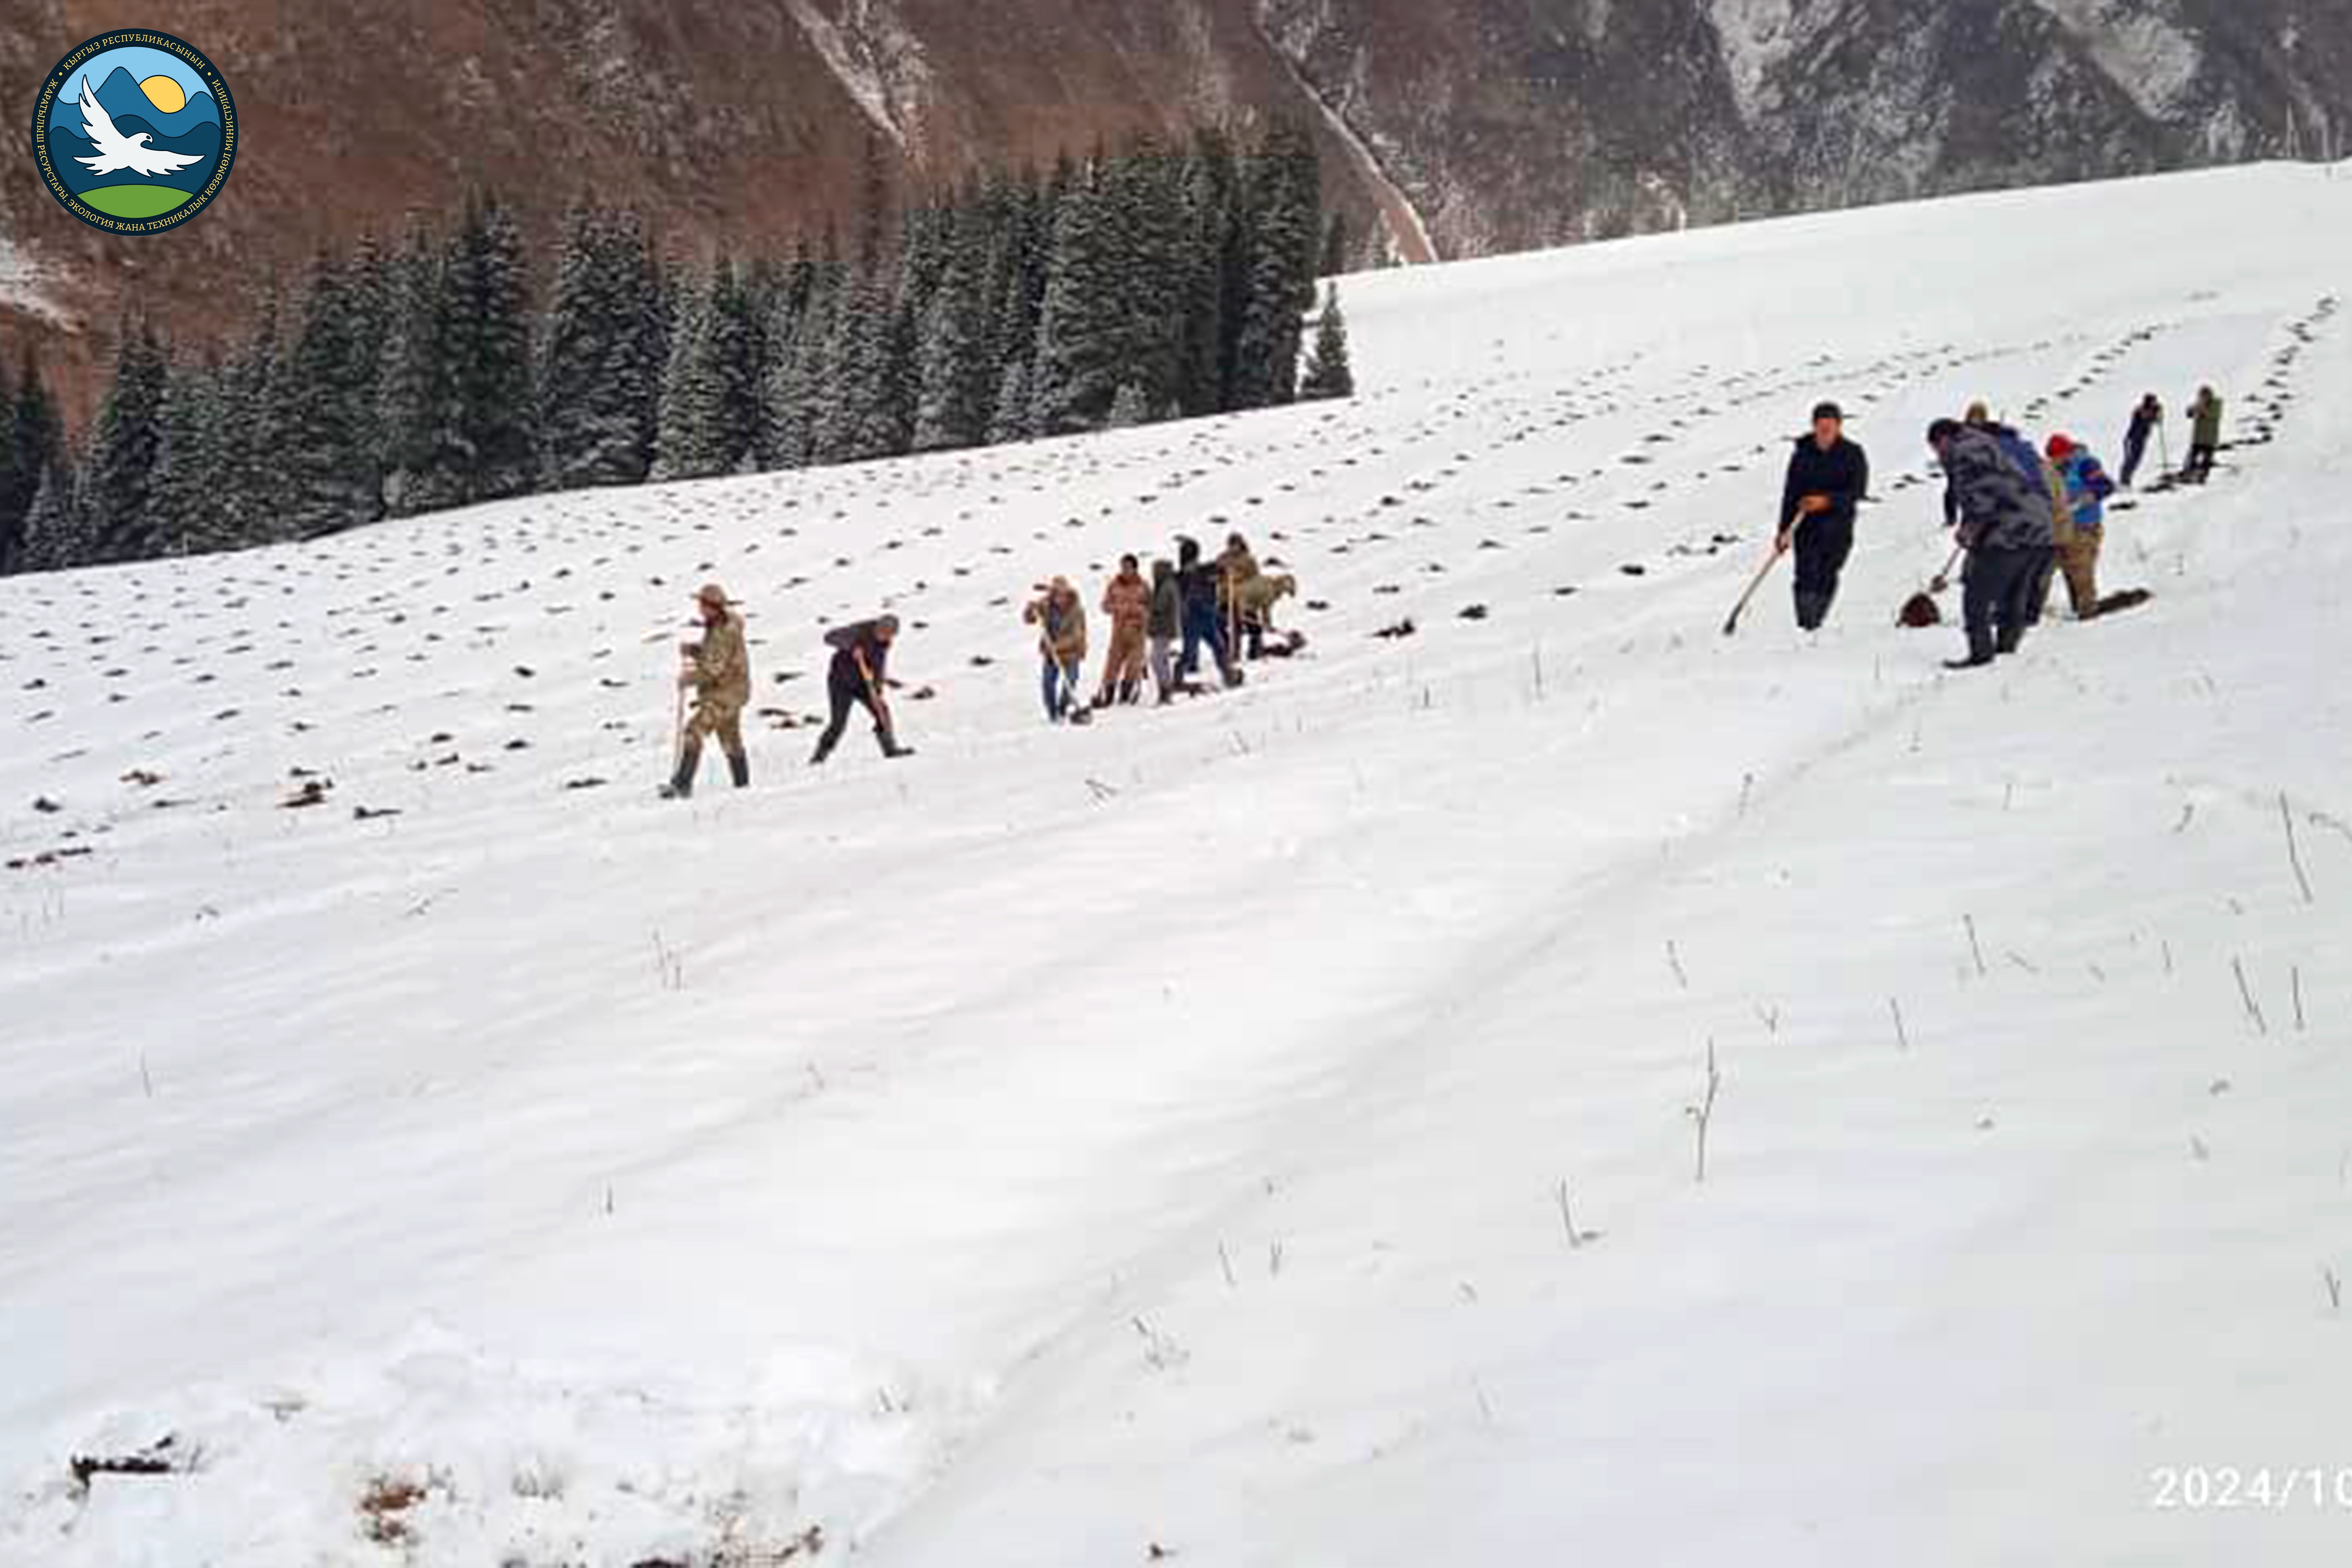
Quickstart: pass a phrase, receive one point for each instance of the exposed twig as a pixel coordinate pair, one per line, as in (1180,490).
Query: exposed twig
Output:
(1703,1113)
(1976,949)
(2246,994)
(2294,981)
(2294,856)
(1674,962)
(1901,1035)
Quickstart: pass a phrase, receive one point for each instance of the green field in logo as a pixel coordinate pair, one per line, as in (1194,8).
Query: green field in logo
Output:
(134,132)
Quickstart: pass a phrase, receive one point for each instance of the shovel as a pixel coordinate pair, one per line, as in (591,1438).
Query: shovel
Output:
(1731,625)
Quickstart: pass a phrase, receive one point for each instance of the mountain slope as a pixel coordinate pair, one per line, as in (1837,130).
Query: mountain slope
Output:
(1458,127)
(1256,1130)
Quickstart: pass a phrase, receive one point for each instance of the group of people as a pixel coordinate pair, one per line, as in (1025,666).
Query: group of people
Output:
(716,670)
(1191,605)
(2021,516)
(1218,606)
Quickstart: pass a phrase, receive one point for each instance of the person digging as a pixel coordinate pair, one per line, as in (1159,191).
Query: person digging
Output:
(717,670)
(857,677)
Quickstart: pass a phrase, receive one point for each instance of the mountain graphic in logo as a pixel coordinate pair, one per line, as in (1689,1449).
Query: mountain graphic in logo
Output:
(134,132)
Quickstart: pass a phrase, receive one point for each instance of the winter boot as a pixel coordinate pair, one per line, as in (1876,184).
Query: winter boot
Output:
(739,764)
(1811,611)
(681,786)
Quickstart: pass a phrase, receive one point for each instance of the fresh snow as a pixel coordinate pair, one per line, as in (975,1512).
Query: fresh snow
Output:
(1063,1146)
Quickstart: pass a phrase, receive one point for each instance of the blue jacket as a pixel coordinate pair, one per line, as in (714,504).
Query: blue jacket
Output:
(2087,489)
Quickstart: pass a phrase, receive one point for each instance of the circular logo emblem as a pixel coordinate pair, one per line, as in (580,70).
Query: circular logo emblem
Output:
(134,132)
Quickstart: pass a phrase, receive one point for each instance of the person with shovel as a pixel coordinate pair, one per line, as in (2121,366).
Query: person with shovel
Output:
(1061,622)
(2147,424)
(717,671)
(2006,528)
(1828,476)
(861,655)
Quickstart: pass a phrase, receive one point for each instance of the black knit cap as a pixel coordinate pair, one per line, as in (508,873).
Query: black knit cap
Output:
(1941,431)
(1829,411)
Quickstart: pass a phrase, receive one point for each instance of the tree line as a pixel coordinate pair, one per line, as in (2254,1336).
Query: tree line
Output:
(1159,282)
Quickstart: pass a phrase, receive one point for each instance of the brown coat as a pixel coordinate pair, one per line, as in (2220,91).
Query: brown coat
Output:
(1128,603)
(1063,618)
(722,667)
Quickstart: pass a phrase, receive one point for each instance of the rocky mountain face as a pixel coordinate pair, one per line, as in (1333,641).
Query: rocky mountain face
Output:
(1449,127)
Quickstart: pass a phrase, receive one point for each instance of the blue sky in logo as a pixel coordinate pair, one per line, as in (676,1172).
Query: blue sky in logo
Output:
(140,60)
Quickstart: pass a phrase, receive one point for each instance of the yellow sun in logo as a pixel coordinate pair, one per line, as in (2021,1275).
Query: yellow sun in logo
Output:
(165,94)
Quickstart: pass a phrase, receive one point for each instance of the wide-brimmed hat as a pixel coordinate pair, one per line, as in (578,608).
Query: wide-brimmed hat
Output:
(712,593)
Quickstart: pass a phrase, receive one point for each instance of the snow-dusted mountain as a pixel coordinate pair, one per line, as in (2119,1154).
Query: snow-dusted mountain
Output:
(1257,1134)
(1453,127)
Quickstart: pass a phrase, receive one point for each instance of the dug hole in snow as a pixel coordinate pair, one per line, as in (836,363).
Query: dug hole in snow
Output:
(1264,1132)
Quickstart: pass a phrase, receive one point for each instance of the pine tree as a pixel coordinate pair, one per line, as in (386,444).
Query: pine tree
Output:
(131,453)
(484,444)
(735,363)
(1131,407)
(958,385)
(1285,203)
(1012,420)
(332,447)
(595,382)
(861,416)
(780,442)
(411,383)
(693,394)
(57,531)
(1083,334)
(1329,372)
(798,403)
(1146,201)
(197,484)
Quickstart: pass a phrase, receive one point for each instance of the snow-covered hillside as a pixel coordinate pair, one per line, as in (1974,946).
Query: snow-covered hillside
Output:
(1255,1133)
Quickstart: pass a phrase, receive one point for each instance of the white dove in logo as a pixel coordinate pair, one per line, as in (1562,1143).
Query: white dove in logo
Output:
(116,150)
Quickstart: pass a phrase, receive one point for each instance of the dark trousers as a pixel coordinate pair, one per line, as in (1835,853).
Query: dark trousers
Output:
(1995,608)
(1205,628)
(2134,454)
(2200,463)
(846,695)
(1823,547)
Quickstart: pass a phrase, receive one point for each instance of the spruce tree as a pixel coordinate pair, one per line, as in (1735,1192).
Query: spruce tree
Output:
(332,448)
(693,394)
(484,444)
(130,453)
(799,402)
(56,533)
(595,385)
(411,384)
(958,383)
(1083,334)
(734,347)
(1014,406)
(197,484)
(1284,205)
(1131,407)
(1329,372)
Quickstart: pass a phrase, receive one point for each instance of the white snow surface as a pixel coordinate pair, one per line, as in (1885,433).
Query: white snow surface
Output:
(1065,1144)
